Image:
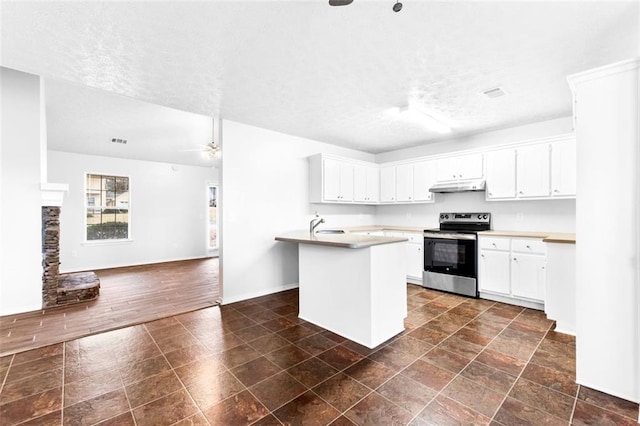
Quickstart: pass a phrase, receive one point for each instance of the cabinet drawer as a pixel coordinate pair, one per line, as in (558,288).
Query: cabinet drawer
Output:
(494,243)
(528,246)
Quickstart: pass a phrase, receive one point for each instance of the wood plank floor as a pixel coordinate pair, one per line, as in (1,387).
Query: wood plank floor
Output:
(128,296)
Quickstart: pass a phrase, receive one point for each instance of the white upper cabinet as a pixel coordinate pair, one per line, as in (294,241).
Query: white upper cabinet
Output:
(366,184)
(424,176)
(532,170)
(388,184)
(460,167)
(338,180)
(533,174)
(563,168)
(404,183)
(413,181)
(501,174)
(333,180)
(541,170)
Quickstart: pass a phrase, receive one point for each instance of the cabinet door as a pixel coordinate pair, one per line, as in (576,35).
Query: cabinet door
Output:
(373,185)
(447,169)
(424,176)
(533,171)
(388,184)
(470,166)
(346,181)
(360,183)
(501,174)
(493,272)
(404,183)
(331,179)
(563,168)
(415,260)
(528,276)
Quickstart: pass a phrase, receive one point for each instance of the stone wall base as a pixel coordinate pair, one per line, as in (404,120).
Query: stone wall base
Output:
(77,287)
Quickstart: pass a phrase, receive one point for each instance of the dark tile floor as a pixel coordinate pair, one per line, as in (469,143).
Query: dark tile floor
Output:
(460,361)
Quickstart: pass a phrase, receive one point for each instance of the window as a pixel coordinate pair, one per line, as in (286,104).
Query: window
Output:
(213,216)
(107,207)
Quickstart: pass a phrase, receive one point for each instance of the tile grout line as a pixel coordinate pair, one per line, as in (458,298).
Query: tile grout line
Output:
(463,368)
(575,402)
(64,369)
(199,411)
(4,379)
(522,371)
(308,389)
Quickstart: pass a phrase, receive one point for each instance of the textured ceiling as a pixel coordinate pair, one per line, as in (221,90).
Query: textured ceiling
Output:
(327,73)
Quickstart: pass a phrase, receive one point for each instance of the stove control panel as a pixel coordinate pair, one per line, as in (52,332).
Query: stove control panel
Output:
(465,217)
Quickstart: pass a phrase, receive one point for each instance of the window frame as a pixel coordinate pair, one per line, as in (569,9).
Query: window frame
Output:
(109,241)
(208,189)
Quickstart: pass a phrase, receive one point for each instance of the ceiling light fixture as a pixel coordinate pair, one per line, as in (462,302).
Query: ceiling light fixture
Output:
(417,115)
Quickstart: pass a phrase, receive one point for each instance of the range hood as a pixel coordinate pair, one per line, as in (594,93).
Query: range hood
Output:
(461,186)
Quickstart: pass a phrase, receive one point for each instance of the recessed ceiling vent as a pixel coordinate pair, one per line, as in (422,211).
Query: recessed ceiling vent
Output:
(494,92)
(118,140)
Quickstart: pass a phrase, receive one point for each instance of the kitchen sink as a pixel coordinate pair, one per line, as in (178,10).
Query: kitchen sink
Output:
(330,231)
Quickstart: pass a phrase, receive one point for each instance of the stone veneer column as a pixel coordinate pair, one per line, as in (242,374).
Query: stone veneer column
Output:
(50,255)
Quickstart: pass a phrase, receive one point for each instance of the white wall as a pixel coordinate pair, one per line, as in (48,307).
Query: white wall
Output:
(543,216)
(547,215)
(265,192)
(20,210)
(168,211)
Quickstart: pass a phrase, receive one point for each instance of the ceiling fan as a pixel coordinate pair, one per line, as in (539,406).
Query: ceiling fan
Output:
(396,7)
(211,150)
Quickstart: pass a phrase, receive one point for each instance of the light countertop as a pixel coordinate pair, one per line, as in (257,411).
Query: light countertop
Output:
(547,237)
(346,240)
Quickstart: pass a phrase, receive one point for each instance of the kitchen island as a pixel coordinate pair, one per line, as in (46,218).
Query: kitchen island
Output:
(353,285)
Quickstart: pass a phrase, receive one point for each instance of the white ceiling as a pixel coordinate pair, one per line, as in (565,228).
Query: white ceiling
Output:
(326,73)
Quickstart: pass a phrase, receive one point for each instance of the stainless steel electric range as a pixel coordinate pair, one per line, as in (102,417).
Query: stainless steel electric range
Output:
(450,253)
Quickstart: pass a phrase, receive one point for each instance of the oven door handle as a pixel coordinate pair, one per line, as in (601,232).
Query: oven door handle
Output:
(445,236)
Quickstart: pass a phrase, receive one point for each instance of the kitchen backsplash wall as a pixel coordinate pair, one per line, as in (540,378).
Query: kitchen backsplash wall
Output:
(544,216)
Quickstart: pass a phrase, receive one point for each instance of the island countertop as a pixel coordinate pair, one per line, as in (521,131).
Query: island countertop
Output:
(346,240)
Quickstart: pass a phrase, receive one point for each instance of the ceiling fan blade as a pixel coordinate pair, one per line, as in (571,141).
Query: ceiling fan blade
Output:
(340,2)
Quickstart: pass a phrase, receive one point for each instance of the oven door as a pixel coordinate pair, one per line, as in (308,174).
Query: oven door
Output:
(450,253)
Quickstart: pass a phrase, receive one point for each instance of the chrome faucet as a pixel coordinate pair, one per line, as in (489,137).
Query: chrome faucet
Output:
(314,223)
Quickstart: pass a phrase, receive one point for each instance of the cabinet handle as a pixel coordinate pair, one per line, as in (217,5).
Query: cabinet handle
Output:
(491,194)
(520,192)
(556,191)
(482,256)
(493,244)
(515,259)
(529,247)
(409,197)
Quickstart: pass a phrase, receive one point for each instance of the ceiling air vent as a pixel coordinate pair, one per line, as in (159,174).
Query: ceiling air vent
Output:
(118,140)
(494,92)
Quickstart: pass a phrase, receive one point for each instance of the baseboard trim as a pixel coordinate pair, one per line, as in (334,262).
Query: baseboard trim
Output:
(245,296)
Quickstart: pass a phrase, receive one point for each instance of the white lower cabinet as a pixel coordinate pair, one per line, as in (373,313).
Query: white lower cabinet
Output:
(414,251)
(494,271)
(415,257)
(512,270)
